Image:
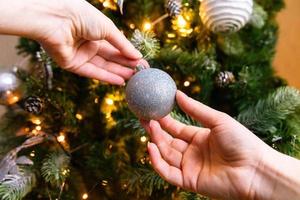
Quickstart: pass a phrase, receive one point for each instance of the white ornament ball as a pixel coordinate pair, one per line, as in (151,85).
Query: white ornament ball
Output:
(10,91)
(225,16)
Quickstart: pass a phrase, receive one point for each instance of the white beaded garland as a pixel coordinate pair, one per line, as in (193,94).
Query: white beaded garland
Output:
(225,16)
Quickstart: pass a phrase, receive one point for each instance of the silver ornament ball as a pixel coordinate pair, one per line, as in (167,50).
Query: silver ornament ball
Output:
(10,91)
(150,94)
(225,16)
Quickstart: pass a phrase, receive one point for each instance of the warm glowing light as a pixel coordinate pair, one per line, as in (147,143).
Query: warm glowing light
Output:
(65,172)
(147,26)
(34,132)
(109,4)
(104,183)
(32,154)
(171,35)
(96,100)
(38,128)
(27,129)
(79,116)
(60,138)
(36,121)
(181,22)
(186,83)
(85,196)
(132,26)
(109,101)
(143,139)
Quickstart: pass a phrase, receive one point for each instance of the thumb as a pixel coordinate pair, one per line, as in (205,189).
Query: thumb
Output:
(202,113)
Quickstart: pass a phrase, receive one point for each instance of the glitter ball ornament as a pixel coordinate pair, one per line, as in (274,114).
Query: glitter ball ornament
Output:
(173,7)
(10,90)
(150,94)
(225,16)
(224,79)
(33,104)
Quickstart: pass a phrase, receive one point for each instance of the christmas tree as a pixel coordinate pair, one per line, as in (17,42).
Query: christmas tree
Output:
(69,137)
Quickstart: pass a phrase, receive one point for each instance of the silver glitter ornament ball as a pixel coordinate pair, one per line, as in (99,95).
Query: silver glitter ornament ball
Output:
(10,91)
(150,94)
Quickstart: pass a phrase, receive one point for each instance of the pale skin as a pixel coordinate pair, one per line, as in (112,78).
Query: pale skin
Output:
(224,160)
(78,36)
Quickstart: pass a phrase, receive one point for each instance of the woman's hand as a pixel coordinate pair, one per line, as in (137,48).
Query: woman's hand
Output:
(224,160)
(76,35)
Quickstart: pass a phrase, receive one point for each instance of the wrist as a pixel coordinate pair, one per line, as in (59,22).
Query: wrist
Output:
(277,177)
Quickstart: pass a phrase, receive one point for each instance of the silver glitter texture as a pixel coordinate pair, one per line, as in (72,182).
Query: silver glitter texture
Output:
(150,94)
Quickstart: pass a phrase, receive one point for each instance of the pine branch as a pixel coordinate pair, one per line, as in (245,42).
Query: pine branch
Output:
(55,168)
(192,196)
(16,186)
(144,181)
(184,119)
(276,117)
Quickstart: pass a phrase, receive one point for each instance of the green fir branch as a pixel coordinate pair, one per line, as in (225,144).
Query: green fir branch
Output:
(191,196)
(275,118)
(55,168)
(16,186)
(144,181)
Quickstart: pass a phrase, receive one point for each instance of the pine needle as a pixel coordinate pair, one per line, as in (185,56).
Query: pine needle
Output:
(55,168)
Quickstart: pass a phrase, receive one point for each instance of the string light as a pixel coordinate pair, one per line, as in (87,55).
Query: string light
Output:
(143,139)
(34,132)
(32,154)
(109,101)
(186,83)
(36,121)
(60,138)
(104,182)
(109,105)
(65,172)
(132,26)
(96,100)
(147,26)
(38,128)
(85,196)
(109,4)
(79,116)
(182,23)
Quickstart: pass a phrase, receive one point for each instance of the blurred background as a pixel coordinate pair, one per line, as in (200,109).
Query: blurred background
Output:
(286,62)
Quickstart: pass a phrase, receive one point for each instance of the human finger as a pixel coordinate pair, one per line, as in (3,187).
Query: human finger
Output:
(170,173)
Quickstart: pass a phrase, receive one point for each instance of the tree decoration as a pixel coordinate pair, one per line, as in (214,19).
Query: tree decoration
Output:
(221,16)
(46,62)
(225,78)
(146,43)
(173,7)
(10,90)
(150,94)
(33,104)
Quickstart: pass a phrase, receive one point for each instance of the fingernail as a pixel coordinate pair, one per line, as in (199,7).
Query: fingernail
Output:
(139,53)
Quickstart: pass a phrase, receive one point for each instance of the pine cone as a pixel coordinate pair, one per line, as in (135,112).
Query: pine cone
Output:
(33,104)
(173,7)
(224,79)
